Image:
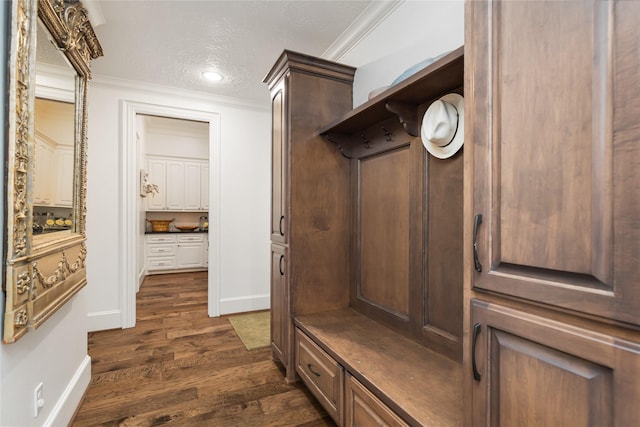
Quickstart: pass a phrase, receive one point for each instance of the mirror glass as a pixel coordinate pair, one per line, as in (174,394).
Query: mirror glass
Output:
(55,141)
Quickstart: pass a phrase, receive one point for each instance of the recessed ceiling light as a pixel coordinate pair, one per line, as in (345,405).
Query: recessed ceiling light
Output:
(212,76)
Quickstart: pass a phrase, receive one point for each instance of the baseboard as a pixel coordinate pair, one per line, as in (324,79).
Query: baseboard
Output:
(243,304)
(141,277)
(103,320)
(66,406)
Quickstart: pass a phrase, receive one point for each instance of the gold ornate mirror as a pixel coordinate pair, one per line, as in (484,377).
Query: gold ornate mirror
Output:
(45,206)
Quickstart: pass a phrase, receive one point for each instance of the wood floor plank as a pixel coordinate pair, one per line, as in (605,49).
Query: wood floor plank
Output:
(178,367)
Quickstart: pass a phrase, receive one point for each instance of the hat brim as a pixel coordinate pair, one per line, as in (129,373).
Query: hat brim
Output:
(452,148)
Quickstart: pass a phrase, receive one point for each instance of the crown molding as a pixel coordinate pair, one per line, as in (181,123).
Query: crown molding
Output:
(141,86)
(367,21)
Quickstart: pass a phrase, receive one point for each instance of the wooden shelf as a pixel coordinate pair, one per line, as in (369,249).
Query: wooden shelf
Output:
(423,387)
(402,100)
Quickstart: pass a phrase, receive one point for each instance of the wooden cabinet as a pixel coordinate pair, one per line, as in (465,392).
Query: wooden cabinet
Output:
(363,409)
(537,371)
(184,185)
(279,166)
(321,373)
(280,323)
(553,133)
(310,195)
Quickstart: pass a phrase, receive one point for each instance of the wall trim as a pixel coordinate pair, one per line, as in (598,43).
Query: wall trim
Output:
(103,320)
(244,304)
(128,217)
(66,406)
(366,22)
(140,86)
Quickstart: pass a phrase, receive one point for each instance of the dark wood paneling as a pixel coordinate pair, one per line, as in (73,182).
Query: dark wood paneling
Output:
(384,231)
(541,371)
(556,155)
(320,197)
(442,309)
(582,393)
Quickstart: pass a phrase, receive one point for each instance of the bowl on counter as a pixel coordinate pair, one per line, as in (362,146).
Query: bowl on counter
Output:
(187,227)
(160,225)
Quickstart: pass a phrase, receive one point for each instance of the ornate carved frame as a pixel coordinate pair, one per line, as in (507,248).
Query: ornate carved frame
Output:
(40,277)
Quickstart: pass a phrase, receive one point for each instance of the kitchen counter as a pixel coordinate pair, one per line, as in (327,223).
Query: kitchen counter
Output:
(175,232)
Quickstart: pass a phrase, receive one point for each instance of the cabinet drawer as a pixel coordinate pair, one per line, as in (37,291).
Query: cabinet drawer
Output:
(191,238)
(321,373)
(168,263)
(161,238)
(365,409)
(161,250)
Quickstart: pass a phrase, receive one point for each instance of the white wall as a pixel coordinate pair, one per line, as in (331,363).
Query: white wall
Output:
(245,201)
(413,32)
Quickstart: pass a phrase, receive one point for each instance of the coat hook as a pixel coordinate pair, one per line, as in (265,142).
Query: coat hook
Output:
(365,141)
(387,133)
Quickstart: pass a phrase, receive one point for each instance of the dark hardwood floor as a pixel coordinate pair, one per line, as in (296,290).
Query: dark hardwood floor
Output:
(179,367)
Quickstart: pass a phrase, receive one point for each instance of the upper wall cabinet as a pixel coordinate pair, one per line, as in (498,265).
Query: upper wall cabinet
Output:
(556,96)
(183,185)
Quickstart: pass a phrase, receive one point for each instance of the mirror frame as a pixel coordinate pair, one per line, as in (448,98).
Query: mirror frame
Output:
(40,277)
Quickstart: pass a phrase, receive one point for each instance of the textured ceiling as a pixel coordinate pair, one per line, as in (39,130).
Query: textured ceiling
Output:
(171,42)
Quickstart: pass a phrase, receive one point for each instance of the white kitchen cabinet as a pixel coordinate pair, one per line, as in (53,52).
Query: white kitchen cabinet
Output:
(43,184)
(157,170)
(204,186)
(180,184)
(64,186)
(190,251)
(160,252)
(192,184)
(169,252)
(53,177)
(175,185)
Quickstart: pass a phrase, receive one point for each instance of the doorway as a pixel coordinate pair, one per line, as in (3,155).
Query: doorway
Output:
(131,230)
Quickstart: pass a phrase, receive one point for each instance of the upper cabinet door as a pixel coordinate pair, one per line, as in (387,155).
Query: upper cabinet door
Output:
(278,165)
(175,185)
(553,98)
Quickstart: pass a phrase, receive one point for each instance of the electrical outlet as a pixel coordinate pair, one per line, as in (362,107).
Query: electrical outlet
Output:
(38,399)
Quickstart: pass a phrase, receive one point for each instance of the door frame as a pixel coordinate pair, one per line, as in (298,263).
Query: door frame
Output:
(128,220)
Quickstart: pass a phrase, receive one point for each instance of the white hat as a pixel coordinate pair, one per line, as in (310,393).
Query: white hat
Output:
(442,129)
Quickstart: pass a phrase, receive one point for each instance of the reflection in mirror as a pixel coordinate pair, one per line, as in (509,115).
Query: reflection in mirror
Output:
(54,123)
(53,166)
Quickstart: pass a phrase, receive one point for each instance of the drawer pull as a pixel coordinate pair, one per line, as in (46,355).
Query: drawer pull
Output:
(310,368)
(280,226)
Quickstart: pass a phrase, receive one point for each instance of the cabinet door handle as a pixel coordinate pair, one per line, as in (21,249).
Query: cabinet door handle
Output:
(310,368)
(474,367)
(281,270)
(280,226)
(476,224)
